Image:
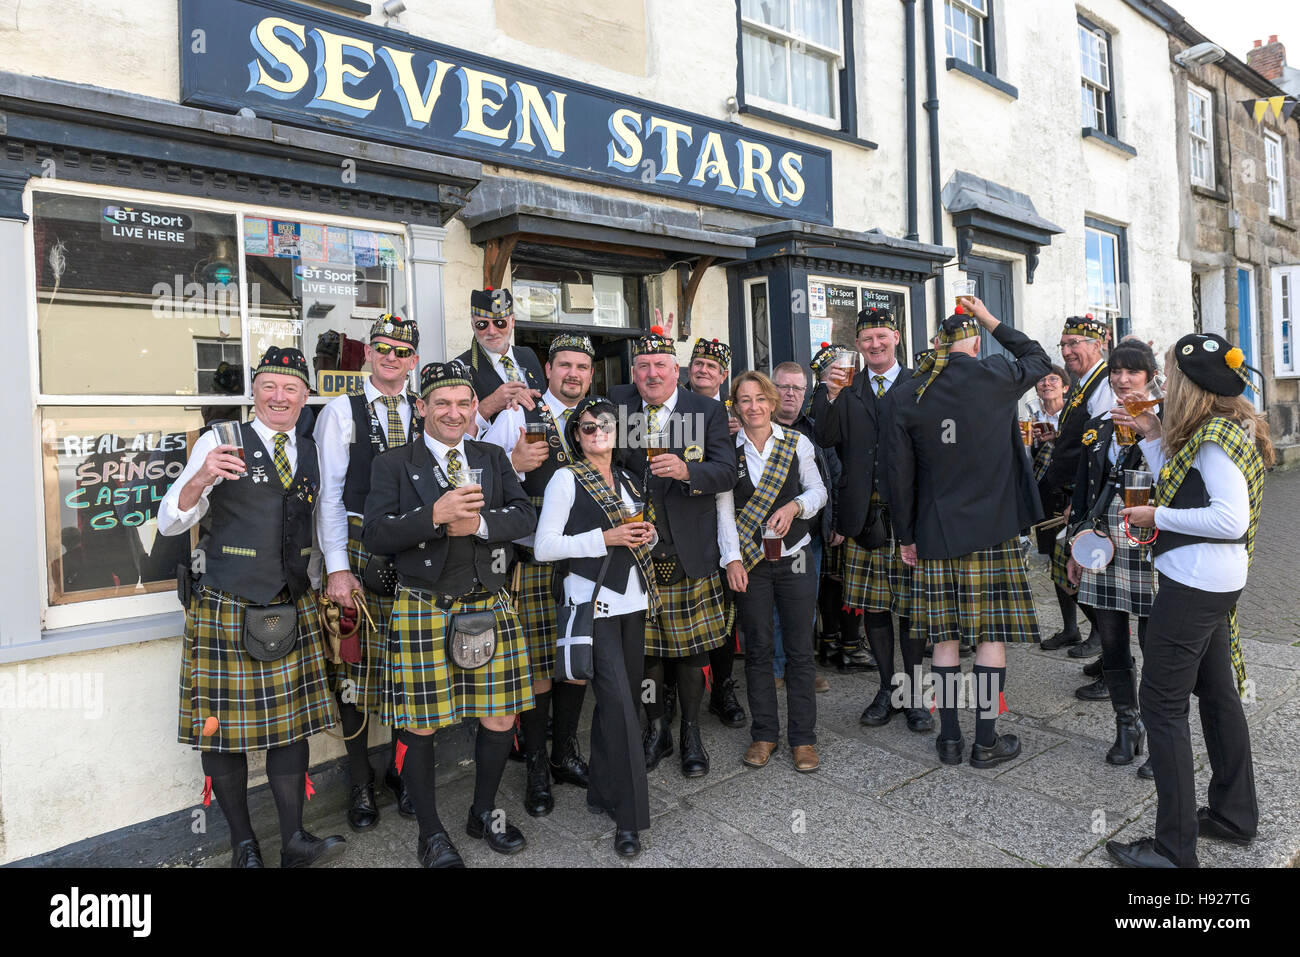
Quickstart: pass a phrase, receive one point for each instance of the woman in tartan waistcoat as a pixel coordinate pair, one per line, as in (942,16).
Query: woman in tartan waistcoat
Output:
(1124,587)
(779,489)
(1210,452)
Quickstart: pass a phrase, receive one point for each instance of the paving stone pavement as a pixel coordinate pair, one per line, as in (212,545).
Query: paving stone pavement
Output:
(881,798)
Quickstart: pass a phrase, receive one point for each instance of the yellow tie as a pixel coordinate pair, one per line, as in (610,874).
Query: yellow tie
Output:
(396,435)
(880,386)
(511,372)
(455,474)
(564,425)
(281,460)
(652,428)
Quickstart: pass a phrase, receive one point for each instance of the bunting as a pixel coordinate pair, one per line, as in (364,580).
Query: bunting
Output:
(1280,106)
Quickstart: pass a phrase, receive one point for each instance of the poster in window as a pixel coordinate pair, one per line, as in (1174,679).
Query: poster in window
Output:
(311,241)
(257,237)
(284,239)
(841,313)
(339,241)
(816,300)
(365,248)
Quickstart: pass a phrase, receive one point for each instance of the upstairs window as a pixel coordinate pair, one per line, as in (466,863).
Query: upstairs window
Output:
(793,52)
(965,24)
(1095,68)
(1200,128)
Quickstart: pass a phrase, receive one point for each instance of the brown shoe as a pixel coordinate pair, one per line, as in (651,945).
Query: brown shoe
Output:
(821,685)
(759,753)
(780,683)
(805,758)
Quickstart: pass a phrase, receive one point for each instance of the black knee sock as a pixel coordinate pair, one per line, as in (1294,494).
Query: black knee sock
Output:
(1089,614)
(568,710)
(690,685)
(358,753)
(945,697)
(1142,634)
(670,672)
(1068,608)
(913,653)
(880,638)
(720,663)
(532,724)
(989,684)
(491,752)
(418,770)
(654,677)
(829,600)
(229,775)
(286,772)
(850,627)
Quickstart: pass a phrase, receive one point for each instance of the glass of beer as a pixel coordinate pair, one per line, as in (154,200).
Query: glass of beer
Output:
(534,432)
(1137,488)
(228,432)
(656,442)
(1124,436)
(473,477)
(1027,432)
(632,512)
(847,364)
(772,544)
(1135,403)
(962,289)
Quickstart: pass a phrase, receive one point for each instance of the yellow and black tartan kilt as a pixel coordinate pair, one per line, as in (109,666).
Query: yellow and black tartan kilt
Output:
(876,579)
(692,619)
(367,676)
(257,704)
(536,607)
(424,689)
(1060,557)
(833,561)
(983,596)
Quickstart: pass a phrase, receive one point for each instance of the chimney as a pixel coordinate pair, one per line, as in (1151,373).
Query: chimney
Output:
(1268,59)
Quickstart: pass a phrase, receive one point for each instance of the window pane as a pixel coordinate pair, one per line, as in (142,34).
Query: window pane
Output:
(1092,58)
(122,291)
(818,20)
(811,79)
(759,327)
(105,472)
(765,68)
(775,13)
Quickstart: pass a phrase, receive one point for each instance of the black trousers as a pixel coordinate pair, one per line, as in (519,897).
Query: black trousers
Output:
(617,778)
(794,595)
(1187,653)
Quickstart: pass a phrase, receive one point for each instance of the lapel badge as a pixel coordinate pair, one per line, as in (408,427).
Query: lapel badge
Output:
(1089,437)
(694,454)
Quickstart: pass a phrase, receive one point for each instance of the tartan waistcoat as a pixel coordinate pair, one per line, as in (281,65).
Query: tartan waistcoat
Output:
(745,488)
(369,437)
(534,482)
(259,538)
(585,515)
(1191,494)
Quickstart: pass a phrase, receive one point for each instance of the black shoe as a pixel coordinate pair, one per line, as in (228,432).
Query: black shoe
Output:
(657,741)
(828,647)
(436,850)
(393,781)
(627,843)
(247,854)
(502,836)
(363,814)
(305,849)
(1062,639)
(1092,669)
(1207,825)
(723,703)
(1130,736)
(1093,690)
(879,711)
(670,701)
(950,752)
(1088,649)
(695,760)
(965,651)
(1141,853)
(853,659)
(918,719)
(1006,747)
(568,766)
(1147,772)
(538,801)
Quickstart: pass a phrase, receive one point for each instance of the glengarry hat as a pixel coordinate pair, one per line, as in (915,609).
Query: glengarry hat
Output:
(491,303)
(283,362)
(396,328)
(654,343)
(719,352)
(823,358)
(435,375)
(1087,326)
(876,318)
(570,342)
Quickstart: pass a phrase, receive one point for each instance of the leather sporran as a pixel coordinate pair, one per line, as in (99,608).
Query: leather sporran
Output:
(472,639)
(874,533)
(270,631)
(380,576)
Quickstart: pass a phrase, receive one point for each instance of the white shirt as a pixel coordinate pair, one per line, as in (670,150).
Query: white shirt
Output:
(1102,399)
(334,432)
(665,409)
(440,452)
(811,499)
(1209,566)
(552,545)
(172,520)
(504,432)
(890,376)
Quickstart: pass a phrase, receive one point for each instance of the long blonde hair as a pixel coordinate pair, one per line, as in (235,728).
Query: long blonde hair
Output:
(1188,407)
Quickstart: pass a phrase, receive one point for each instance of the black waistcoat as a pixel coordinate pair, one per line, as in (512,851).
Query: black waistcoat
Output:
(745,488)
(534,482)
(1191,494)
(587,514)
(369,438)
(260,533)
(1069,441)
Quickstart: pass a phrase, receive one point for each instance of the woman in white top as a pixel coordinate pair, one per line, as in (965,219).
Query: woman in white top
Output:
(1210,455)
(584,524)
(780,489)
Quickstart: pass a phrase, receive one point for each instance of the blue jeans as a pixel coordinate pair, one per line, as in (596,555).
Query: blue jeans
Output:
(778,654)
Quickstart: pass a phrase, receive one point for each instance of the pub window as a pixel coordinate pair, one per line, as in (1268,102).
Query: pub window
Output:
(965,27)
(1095,66)
(793,52)
(566,295)
(1200,128)
(211,355)
(834,304)
(758,329)
(1106,277)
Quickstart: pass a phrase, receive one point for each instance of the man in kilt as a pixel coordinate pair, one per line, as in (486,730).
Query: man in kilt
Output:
(236,694)
(568,376)
(503,375)
(451,541)
(852,419)
(961,490)
(350,431)
(1083,343)
(698,462)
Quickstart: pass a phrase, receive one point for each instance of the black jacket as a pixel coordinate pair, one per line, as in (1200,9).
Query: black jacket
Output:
(483,374)
(691,520)
(1094,470)
(1057,484)
(959,478)
(399,515)
(828,464)
(852,426)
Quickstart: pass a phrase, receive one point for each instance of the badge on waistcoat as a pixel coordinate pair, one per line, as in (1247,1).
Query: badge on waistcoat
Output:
(693,454)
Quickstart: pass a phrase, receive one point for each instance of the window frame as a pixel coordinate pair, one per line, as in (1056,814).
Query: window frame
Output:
(1286,299)
(1278,150)
(747,293)
(987,44)
(1119,319)
(1207,181)
(842,89)
(1108,91)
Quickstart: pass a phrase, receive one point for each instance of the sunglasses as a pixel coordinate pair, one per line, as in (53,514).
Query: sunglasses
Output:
(383,348)
(482,324)
(591,428)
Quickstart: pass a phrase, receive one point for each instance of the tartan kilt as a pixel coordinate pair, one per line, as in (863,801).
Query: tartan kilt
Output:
(692,619)
(983,596)
(876,579)
(1060,556)
(424,689)
(1128,583)
(258,704)
(367,675)
(833,561)
(536,608)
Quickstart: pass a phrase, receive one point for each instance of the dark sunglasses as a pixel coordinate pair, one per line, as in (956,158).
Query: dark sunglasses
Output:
(383,348)
(481,324)
(590,428)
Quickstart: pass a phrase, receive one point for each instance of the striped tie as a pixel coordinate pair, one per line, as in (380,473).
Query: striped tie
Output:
(396,435)
(281,460)
(564,425)
(653,427)
(511,372)
(880,386)
(455,474)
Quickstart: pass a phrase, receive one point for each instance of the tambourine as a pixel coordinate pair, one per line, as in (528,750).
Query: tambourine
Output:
(1155,533)
(1092,549)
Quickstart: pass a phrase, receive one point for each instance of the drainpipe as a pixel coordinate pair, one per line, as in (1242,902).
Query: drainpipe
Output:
(909,33)
(932,107)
